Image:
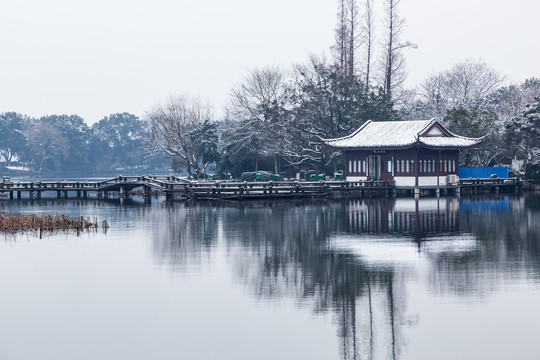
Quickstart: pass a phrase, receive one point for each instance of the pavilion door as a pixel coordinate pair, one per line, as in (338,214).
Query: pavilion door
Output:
(375,167)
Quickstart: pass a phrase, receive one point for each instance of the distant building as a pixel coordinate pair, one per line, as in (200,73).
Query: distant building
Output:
(412,153)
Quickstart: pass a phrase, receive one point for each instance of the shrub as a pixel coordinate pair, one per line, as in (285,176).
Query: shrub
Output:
(251,176)
(311,172)
(532,173)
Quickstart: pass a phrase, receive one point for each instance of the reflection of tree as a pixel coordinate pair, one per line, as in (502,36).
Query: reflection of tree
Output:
(281,250)
(507,233)
(190,233)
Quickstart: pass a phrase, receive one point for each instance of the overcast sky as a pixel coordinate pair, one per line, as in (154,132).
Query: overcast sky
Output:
(97,57)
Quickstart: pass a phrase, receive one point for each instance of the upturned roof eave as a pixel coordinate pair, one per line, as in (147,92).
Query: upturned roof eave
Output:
(463,147)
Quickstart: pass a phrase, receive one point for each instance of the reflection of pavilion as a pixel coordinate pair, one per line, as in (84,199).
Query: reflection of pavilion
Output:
(416,217)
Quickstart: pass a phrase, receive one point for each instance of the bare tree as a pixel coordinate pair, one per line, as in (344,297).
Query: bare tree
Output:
(340,47)
(348,36)
(433,94)
(369,28)
(393,62)
(173,126)
(465,84)
(470,80)
(259,105)
(46,143)
(354,38)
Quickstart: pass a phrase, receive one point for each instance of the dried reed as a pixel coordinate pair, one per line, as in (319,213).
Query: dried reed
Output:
(44,223)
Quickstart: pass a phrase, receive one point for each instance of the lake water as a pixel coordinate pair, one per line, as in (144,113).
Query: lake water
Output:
(432,278)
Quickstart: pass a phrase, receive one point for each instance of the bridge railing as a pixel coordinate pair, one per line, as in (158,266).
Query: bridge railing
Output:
(48,185)
(198,188)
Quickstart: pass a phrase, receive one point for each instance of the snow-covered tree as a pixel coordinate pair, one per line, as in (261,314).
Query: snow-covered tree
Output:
(172,129)
(466,84)
(477,122)
(257,114)
(12,141)
(329,104)
(529,129)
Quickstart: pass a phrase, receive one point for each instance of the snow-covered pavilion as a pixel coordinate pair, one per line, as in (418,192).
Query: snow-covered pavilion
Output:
(419,153)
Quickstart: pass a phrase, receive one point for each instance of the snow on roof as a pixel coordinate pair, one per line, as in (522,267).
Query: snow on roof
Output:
(453,142)
(399,134)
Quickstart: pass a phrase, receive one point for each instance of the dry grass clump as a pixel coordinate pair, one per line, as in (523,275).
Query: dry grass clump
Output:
(44,223)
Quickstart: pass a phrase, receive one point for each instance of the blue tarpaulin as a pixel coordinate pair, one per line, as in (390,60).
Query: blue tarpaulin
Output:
(482,172)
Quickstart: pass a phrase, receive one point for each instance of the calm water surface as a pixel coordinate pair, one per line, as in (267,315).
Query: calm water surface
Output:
(432,278)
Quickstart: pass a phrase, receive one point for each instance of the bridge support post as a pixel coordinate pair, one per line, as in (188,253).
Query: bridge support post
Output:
(123,193)
(11,195)
(38,195)
(19,194)
(58,194)
(85,194)
(147,191)
(147,194)
(78,194)
(65,194)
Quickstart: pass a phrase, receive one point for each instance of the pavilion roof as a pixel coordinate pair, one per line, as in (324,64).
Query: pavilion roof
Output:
(401,134)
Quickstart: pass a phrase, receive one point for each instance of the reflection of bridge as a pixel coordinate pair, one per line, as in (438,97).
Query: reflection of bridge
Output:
(235,190)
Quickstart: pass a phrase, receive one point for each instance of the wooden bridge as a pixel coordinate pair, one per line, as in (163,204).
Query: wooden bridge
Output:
(172,186)
(168,185)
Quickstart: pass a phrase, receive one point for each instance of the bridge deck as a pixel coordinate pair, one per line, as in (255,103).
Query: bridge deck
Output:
(230,189)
